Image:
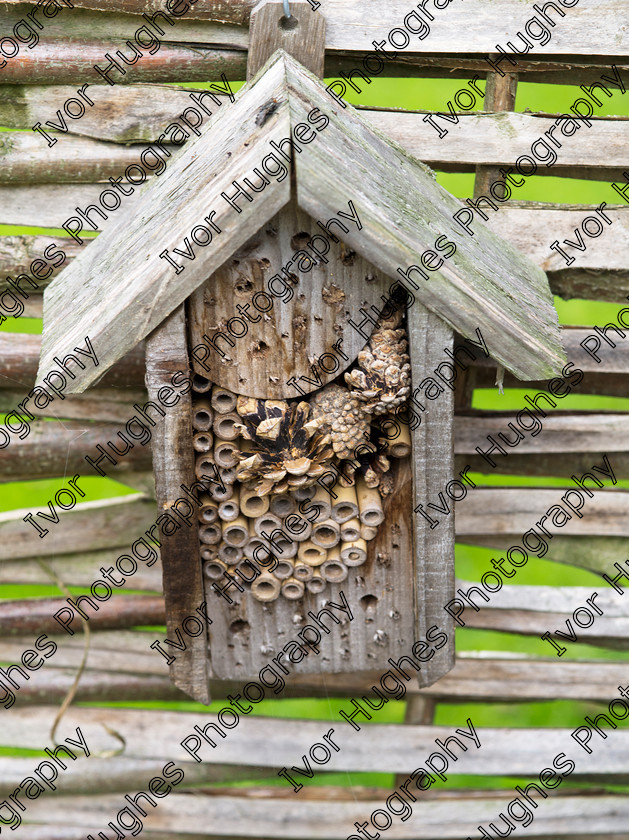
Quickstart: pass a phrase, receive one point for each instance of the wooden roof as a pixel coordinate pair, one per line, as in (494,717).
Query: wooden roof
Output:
(119,290)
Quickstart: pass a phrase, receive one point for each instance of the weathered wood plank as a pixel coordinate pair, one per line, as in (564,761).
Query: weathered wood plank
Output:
(81,569)
(149,287)
(107,405)
(173,462)
(574,433)
(484,285)
(92,525)
(303,37)
(121,775)
(25,159)
(476,28)
(432,464)
(35,615)
(511,510)
(532,610)
(61,63)
(480,139)
(593,817)
(19,355)
(284,343)
(60,448)
(384,748)
(49,205)
(111,652)
(600,273)
(380,596)
(493,677)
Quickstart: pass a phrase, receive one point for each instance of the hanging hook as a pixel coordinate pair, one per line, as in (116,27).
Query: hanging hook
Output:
(287,14)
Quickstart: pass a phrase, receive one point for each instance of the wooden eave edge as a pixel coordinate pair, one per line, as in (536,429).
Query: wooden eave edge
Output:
(488,284)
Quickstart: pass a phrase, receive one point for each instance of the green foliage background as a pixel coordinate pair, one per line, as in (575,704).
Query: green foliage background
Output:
(471,562)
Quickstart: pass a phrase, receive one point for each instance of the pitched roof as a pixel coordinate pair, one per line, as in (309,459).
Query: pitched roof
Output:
(118,290)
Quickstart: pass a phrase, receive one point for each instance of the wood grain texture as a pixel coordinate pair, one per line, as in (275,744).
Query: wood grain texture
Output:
(496,139)
(492,677)
(60,448)
(173,463)
(433,460)
(144,289)
(92,525)
(389,748)
(82,568)
(35,616)
(600,273)
(302,36)
(595,30)
(293,335)
(533,610)
(61,63)
(594,817)
(245,635)
(485,285)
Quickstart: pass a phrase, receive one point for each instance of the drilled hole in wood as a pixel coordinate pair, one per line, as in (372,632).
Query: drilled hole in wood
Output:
(299,240)
(239,626)
(243,286)
(260,348)
(368,601)
(288,23)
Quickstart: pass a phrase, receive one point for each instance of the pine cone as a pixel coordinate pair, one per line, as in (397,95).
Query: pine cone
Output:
(285,450)
(343,417)
(385,378)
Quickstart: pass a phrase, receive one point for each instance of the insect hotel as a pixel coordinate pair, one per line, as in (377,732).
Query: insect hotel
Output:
(311,295)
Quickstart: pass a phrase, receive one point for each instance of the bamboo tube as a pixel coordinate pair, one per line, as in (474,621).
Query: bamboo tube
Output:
(350,530)
(303,535)
(302,571)
(230,554)
(333,570)
(202,415)
(208,513)
(322,500)
(401,446)
(209,552)
(200,384)
(284,568)
(222,494)
(326,534)
(282,504)
(251,545)
(311,554)
(300,494)
(265,588)
(223,401)
(267,522)
(293,589)
(225,452)
(354,553)
(229,509)
(225,426)
(345,506)
(228,475)
(203,441)
(210,534)
(204,465)
(283,546)
(251,504)
(316,584)
(213,569)
(368,533)
(370,504)
(236,532)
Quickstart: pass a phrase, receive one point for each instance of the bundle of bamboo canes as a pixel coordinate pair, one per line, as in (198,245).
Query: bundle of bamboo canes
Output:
(239,525)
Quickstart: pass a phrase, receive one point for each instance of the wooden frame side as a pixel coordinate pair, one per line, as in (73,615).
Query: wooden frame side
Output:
(433,468)
(173,462)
